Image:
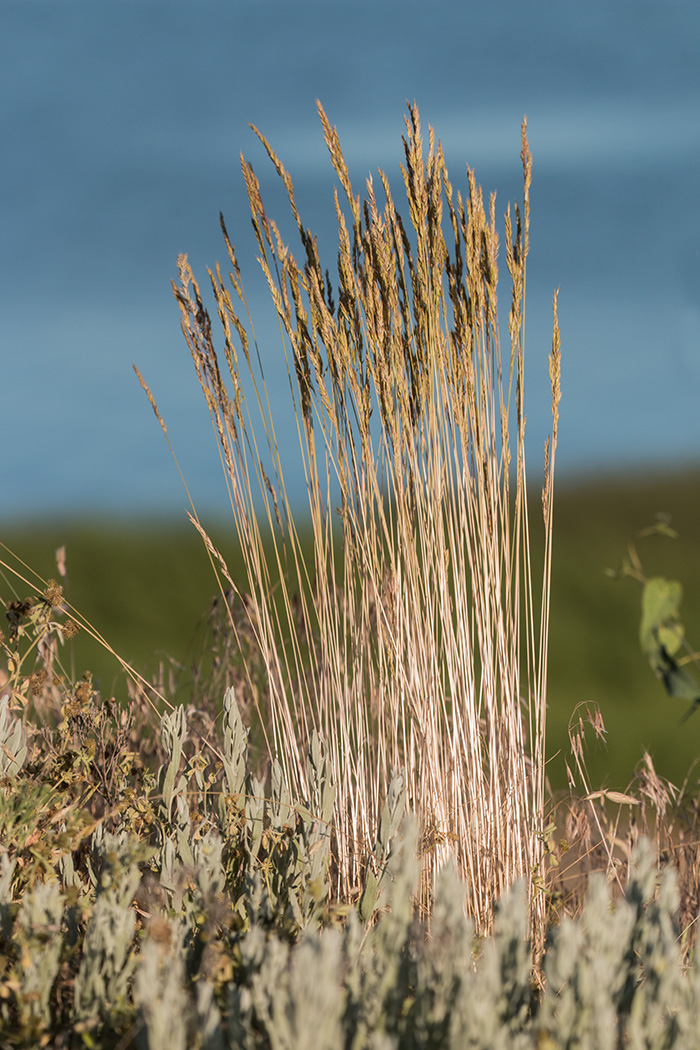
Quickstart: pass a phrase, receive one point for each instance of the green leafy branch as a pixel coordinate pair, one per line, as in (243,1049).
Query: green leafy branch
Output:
(661,629)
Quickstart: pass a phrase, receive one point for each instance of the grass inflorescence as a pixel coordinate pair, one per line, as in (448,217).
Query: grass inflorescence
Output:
(414,638)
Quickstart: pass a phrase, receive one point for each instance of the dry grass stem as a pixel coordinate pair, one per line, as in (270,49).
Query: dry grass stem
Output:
(414,638)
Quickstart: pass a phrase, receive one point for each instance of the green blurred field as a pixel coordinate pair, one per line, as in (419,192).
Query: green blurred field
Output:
(146,586)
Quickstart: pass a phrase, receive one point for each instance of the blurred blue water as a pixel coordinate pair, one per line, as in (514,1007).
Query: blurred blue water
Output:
(122,123)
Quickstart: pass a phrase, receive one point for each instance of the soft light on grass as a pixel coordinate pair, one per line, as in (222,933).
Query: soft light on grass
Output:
(428,655)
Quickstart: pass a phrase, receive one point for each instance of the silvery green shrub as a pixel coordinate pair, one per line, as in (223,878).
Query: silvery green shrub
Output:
(103,981)
(160,993)
(213,927)
(38,944)
(616,978)
(13,741)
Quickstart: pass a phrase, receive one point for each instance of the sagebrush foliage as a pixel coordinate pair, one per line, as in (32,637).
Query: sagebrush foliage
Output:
(195,913)
(213,927)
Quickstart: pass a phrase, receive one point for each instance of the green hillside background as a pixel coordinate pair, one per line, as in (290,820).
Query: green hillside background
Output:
(147,585)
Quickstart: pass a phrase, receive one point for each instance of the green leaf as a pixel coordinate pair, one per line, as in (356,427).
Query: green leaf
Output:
(660,623)
(365,908)
(677,681)
(392,813)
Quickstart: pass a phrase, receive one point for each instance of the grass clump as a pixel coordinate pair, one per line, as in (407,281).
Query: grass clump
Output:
(414,638)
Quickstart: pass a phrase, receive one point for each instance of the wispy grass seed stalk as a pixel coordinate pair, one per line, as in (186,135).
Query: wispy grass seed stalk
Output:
(414,638)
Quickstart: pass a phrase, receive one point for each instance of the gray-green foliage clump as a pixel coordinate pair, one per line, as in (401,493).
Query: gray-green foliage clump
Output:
(212,925)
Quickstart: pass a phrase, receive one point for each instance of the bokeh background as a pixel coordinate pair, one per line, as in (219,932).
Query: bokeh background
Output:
(122,124)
